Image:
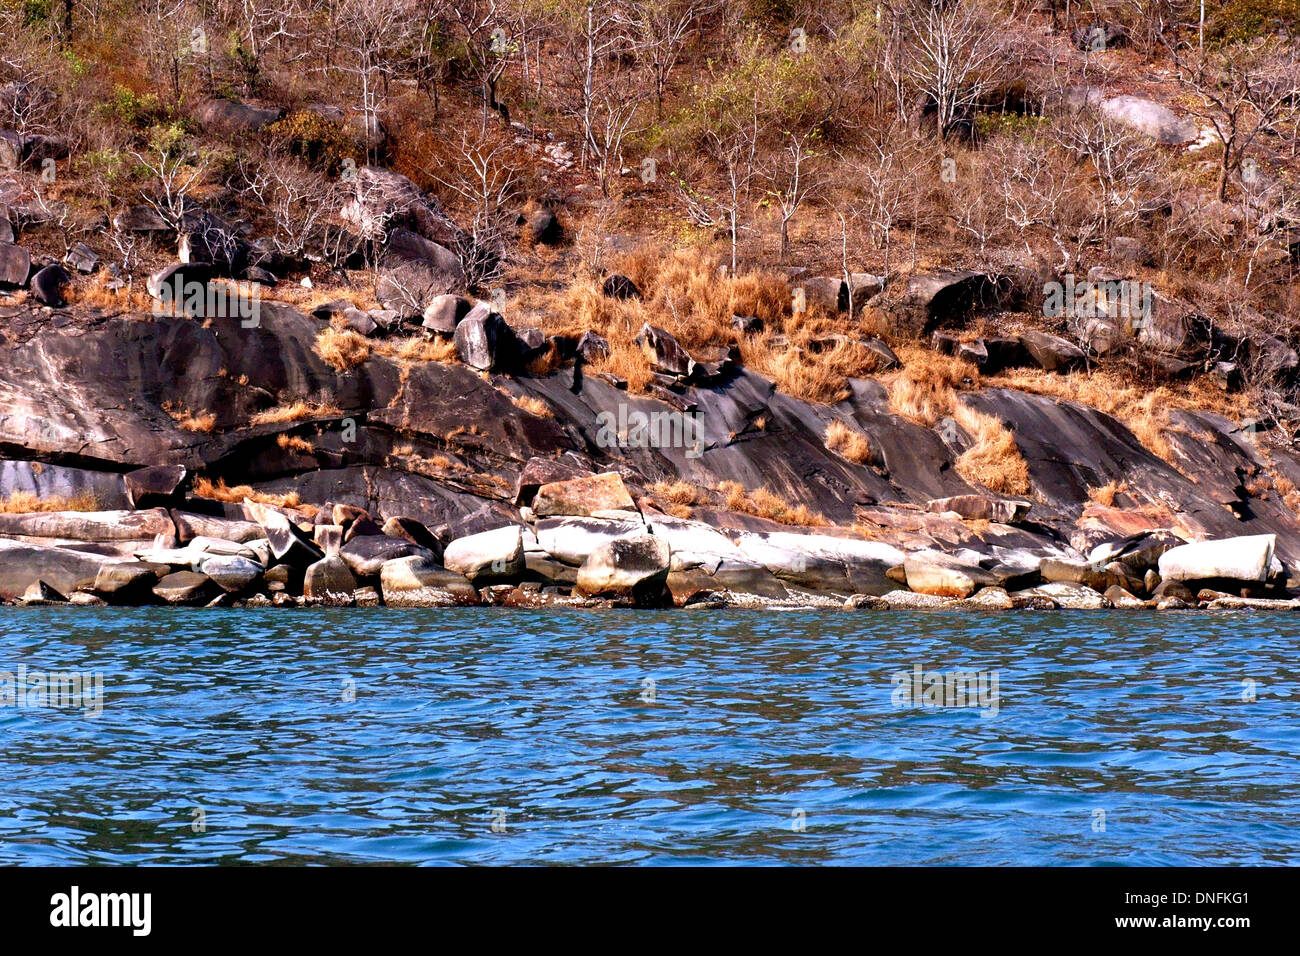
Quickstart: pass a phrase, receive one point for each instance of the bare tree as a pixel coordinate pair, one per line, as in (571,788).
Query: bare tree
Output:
(951,52)
(660,30)
(486,182)
(298,200)
(370,34)
(791,176)
(1241,91)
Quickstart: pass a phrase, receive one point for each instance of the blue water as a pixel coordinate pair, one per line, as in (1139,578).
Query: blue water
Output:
(493,736)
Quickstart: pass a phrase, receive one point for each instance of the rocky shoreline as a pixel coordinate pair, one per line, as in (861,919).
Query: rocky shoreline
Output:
(582,541)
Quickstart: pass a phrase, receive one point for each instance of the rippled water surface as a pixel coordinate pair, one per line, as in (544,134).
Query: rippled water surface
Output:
(487,736)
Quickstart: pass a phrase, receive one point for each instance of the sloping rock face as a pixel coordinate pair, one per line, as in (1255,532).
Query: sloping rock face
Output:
(87,399)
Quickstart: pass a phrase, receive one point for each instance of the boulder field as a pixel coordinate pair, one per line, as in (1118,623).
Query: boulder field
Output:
(415,483)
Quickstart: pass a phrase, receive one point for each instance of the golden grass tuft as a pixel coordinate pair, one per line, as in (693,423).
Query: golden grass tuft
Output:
(200,422)
(993,460)
(342,349)
(533,406)
(848,442)
(25,502)
(925,388)
(295,443)
(1104,495)
(416,348)
(676,497)
(220,491)
(763,503)
(292,413)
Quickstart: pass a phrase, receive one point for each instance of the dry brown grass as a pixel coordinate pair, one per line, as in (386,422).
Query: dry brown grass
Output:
(686,294)
(763,503)
(220,491)
(533,406)
(200,422)
(295,443)
(1143,409)
(292,413)
(417,349)
(342,349)
(993,460)
(925,388)
(848,442)
(92,294)
(25,502)
(1104,495)
(676,497)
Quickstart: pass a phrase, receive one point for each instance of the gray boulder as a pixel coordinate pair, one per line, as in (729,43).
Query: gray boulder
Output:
(634,567)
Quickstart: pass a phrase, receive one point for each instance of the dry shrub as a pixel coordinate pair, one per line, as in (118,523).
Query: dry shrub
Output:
(533,406)
(924,390)
(292,413)
(763,503)
(848,442)
(342,349)
(25,502)
(994,459)
(295,443)
(201,422)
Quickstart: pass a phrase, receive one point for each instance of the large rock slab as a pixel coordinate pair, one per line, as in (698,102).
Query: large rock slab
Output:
(366,555)
(329,580)
(633,567)
(416,581)
(185,587)
(824,562)
(945,575)
(488,555)
(231,572)
(1150,118)
(1245,559)
(982,507)
(583,496)
(22,564)
(571,540)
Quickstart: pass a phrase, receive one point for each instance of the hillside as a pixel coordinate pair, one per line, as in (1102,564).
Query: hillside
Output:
(805,301)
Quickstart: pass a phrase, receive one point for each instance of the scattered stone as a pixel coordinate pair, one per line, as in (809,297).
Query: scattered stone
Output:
(485,341)
(445,312)
(82,258)
(1051,352)
(154,485)
(15,265)
(48,284)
